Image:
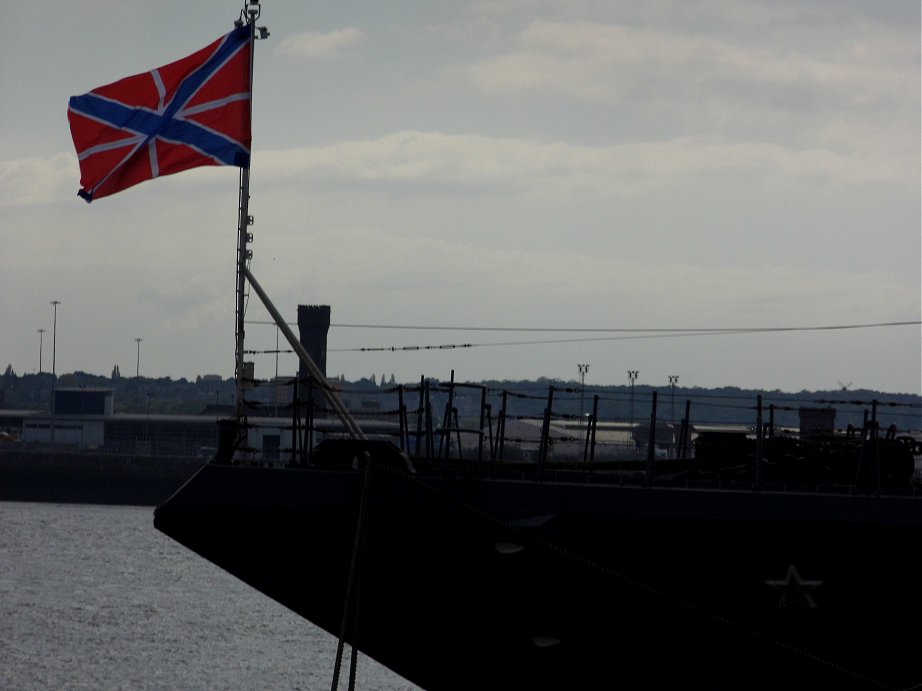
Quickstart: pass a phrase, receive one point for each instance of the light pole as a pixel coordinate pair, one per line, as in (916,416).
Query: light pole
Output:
(54,370)
(673,380)
(137,369)
(583,368)
(632,376)
(41,337)
(54,338)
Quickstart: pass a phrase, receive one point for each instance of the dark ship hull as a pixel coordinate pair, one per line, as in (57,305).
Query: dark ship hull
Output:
(462,581)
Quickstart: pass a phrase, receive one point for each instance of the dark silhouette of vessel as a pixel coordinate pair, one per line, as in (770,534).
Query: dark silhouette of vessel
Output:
(733,572)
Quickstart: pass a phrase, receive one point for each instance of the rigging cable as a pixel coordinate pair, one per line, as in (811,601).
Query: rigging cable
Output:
(625,334)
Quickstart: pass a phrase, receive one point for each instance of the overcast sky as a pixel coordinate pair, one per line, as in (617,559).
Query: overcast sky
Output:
(561,165)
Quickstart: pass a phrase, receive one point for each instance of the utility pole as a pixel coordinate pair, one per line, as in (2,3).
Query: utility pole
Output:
(137,369)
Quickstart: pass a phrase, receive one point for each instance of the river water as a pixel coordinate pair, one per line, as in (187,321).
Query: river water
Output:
(93,597)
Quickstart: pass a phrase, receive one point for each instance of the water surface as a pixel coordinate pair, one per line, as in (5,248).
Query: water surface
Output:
(94,597)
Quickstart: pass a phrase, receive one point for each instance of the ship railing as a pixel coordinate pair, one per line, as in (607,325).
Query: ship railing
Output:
(590,429)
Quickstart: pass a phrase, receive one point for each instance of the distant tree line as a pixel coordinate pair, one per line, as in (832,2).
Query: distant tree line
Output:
(734,405)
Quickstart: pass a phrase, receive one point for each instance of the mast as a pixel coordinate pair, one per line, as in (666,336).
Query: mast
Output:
(248,16)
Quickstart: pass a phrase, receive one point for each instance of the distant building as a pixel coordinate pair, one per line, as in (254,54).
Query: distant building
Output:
(817,421)
(281,391)
(83,418)
(83,401)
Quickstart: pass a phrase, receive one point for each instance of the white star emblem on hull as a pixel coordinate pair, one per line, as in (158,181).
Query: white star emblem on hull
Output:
(794,589)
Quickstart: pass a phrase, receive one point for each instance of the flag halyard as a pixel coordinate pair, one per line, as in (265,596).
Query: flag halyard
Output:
(189,113)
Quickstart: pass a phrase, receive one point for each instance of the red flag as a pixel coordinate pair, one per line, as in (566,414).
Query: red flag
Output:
(192,112)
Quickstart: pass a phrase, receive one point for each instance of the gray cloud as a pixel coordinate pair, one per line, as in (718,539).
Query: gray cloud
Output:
(311,45)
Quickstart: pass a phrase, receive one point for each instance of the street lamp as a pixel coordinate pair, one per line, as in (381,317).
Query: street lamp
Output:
(54,338)
(632,376)
(137,370)
(673,380)
(583,368)
(41,337)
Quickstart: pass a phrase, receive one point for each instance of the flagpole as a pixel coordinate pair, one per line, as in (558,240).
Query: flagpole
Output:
(248,15)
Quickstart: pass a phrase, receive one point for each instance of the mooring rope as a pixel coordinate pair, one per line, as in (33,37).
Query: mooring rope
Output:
(352,586)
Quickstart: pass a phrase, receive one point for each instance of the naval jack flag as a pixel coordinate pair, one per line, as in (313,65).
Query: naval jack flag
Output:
(192,112)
